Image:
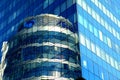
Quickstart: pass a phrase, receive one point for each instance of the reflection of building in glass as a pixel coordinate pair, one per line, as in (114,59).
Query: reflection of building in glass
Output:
(95,21)
(45,47)
(3,62)
(99,28)
(0,72)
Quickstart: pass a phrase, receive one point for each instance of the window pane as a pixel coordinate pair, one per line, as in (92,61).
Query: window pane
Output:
(85,23)
(93,47)
(82,39)
(69,3)
(63,6)
(91,28)
(45,4)
(88,44)
(101,36)
(95,32)
(80,19)
(57,10)
(98,51)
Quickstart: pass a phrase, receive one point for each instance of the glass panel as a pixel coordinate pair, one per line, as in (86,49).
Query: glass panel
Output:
(63,6)
(45,4)
(91,28)
(88,44)
(69,3)
(85,63)
(95,32)
(85,23)
(80,19)
(98,51)
(101,36)
(82,39)
(93,47)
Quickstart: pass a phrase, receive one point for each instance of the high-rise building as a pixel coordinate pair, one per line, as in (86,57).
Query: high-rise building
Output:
(99,33)
(43,48)
(95,21)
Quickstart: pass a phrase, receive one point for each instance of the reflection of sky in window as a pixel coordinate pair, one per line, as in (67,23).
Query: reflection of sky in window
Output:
(116,8)
(85,63)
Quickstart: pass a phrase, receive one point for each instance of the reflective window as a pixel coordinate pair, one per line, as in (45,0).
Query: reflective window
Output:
(98,17)
(45,4)
(96,69)
(93,48)
(89,10)
(109,42)
(85,63)
(91,76)
(107,58)
(100,35)
(57,10)
(116,64)
(91,28)
(63,6)
(82,39)
(80,19)
(105,39)
(95,32)
(103,56)
(112,61)
(85,73)
(84,5)
(75,17)
(69,3)
(93,14)
(88,44)
(102,76)
(98,51)
(51,1)
(90,65)
(85,23)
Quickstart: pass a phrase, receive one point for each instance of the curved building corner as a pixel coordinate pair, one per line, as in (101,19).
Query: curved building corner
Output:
(45,48)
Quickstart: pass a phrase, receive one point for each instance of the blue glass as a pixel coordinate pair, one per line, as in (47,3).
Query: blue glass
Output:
(12,14)
(29,24)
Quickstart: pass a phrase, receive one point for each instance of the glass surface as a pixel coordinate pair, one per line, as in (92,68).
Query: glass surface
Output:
(102,22)
(44,50)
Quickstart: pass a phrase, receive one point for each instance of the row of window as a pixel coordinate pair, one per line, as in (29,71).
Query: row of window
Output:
(43,36)
(66,4)
(99,52)
(106,12)
(50,52)
(103,75)
(99,19)
(13,15)
(63,71)
(47,3)
(86,62)
(98,33)
(97,67)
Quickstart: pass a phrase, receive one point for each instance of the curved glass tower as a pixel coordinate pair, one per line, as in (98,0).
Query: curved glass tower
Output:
(45,48)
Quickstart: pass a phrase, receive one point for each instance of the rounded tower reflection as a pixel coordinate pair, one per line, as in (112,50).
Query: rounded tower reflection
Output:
(45,47)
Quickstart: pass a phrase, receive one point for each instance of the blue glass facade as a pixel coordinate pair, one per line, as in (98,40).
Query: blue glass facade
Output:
(14,12)
(99,26)
(45,47)
(97,23)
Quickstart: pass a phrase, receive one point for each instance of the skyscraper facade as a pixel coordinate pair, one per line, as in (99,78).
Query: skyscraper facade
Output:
(43,48)
(96,23)
(99,28)
(14,12)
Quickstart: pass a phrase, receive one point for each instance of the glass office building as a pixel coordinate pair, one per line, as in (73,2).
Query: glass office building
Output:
(99,33)
(96,22)
(44,48)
